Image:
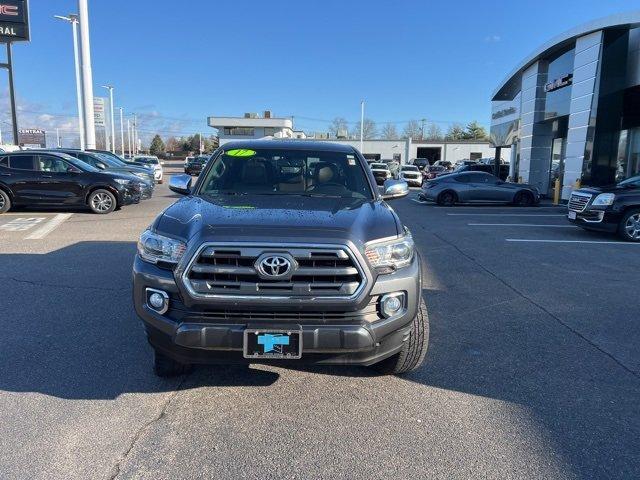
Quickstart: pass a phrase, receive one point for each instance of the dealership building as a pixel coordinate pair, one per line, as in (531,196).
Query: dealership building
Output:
(254,126)
(571,110)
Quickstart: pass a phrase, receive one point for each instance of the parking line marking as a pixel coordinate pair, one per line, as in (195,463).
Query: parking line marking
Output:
(21,224)
(505,215)
(48,227)
(519,225)
(606,242)
(418,201)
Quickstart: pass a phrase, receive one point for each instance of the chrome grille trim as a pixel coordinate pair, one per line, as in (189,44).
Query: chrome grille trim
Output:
(579,201)
(241,280)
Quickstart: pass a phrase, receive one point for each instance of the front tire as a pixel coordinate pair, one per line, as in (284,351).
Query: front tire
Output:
(102,201)
(447,199)
(164,366)
(629,228)
(5,202)
(523,199)
(414,349)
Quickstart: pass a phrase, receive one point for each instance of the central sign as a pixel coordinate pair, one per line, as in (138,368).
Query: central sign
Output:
(14,21)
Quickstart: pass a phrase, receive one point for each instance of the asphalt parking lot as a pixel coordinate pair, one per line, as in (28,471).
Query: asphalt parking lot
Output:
(532,372)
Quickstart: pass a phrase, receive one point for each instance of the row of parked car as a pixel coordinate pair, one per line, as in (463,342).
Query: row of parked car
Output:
(97,179)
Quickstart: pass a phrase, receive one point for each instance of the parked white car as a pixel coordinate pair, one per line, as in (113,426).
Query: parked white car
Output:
(153,162)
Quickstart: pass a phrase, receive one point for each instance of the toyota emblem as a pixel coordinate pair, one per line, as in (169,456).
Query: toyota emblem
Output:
(275,266)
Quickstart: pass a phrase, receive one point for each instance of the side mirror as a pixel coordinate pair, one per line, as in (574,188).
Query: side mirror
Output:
(395,189)
(101,166)
(180,184)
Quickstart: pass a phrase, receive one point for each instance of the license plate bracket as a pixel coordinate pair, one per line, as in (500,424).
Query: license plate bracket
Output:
(272,343)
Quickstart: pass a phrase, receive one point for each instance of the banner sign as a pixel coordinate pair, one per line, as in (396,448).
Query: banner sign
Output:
(14,21)
(32,138)
(99,113)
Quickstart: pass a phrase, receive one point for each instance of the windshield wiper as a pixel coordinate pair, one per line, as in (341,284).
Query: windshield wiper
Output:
(224,192)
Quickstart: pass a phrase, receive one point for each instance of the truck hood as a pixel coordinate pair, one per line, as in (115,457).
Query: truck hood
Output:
(278,218)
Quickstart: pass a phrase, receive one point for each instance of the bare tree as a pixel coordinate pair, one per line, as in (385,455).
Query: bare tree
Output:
(369,131)
(338,125)
(389,132)
(412,130)
(433,133)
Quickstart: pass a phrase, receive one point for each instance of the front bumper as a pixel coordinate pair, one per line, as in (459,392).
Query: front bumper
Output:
(414,182)
(596,219)
(189,335)
(129,195)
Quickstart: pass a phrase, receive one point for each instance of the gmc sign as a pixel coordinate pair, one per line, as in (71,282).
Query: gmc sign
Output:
(14,20)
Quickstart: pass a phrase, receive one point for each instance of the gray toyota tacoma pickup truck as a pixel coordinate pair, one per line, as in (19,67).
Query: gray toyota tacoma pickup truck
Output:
(282,251)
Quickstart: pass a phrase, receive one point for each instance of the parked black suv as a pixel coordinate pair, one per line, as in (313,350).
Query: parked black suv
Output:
(608,209)
(52,178)
(107,164)
(194,165)
(282,251)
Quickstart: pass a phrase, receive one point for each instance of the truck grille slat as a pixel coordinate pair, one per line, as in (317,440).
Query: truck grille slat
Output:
(232,270)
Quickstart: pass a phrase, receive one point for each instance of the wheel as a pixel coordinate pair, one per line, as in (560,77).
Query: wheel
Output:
(629,227)
(164,366)
(102,201)
(523,199)
(447,199)
(5,202)
(414,349)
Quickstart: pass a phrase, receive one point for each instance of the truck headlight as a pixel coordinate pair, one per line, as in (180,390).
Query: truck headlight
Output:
(154,248)
(389,255)
(604,199)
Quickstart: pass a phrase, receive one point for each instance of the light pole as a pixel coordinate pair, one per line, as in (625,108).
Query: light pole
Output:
(73,20)
(121,132)
(129,137)
(113,131)
(135,134)
(87,76)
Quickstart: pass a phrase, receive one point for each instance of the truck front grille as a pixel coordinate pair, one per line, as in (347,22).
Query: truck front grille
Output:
(368,314)
(578,201)
(233,270)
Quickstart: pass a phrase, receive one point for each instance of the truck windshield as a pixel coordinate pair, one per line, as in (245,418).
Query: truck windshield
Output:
(287,172)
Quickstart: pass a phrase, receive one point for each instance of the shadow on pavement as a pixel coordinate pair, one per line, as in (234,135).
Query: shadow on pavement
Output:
(69,330)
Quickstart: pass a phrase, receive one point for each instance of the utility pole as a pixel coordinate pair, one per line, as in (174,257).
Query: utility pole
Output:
(58,137)
(200,138)
(361,123)
(422,128)
(87,76)
(121,132)
(113,130)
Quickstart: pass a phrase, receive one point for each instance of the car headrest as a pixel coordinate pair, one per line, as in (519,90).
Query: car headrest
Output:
(325,172)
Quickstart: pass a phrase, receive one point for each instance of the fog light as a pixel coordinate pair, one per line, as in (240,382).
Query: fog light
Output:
(392,304)
(157,300)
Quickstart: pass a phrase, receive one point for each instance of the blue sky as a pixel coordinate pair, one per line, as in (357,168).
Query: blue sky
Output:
(314,60)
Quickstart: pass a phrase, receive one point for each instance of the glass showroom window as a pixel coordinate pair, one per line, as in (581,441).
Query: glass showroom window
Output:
(628,164)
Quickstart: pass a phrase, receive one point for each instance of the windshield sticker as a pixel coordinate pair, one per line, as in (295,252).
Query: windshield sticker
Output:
(240,152)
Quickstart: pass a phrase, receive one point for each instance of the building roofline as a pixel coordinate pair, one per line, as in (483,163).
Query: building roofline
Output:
(625,19)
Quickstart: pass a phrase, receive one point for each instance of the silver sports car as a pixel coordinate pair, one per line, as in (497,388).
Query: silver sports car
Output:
(477,187)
